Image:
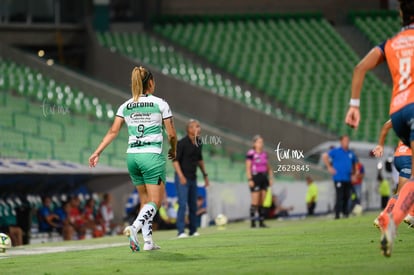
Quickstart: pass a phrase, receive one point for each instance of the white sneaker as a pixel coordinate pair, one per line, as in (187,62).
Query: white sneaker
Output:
(388,234)
(409,220)
(133,238)
(150,246)
(195,234)
(376,223)
(182,235)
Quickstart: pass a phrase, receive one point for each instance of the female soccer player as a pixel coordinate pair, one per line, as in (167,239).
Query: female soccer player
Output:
(398,52)
(402,162)
(145,115)
(260,177)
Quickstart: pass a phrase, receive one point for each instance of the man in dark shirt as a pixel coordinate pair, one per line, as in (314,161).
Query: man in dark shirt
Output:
(188,158)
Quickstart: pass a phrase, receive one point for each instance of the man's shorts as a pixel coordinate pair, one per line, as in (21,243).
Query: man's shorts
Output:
(146,168)
(403,166)
(403,124)
(261,182)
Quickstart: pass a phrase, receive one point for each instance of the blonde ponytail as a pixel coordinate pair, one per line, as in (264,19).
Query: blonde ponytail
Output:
(136,83)
(140,81)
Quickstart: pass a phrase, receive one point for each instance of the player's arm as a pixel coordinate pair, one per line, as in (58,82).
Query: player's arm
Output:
(172,136)
(108,138)
(379,149)
(176,164)
(249,172)
(179,172)
(270,173)
(50,218)
(203,170)
(369,62)
(325,159)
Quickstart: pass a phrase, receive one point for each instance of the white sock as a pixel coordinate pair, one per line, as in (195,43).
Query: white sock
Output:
(146,214)
(147,231)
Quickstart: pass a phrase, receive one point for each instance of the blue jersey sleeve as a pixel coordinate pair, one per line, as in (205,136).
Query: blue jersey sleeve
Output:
(381,47)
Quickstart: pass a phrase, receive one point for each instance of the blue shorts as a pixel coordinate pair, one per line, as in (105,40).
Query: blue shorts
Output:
(403,124)
(403,166)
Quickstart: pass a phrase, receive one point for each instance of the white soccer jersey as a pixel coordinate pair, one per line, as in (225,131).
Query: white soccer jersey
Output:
(144,120)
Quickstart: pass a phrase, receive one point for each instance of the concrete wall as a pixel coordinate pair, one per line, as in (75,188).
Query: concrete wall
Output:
(233,200)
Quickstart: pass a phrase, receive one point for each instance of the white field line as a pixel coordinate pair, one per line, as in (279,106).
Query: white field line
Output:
(23,251)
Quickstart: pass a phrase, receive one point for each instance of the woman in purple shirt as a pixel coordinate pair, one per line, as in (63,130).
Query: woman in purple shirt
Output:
(260,177)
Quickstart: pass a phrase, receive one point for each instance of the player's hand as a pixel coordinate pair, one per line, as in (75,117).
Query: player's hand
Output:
(353,117)
(251,183)
(93,160)
(183,180)
(331,170)
(378,151)
(206,182)
(171,154)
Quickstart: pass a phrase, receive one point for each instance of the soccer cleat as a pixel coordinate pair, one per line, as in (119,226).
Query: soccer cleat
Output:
(150,246)
(195,234)
(376,223)
(409,220)
(182,236)
(133,238)
(262,225)
(388,233)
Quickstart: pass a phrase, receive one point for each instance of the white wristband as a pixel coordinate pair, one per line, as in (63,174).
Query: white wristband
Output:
(354,102)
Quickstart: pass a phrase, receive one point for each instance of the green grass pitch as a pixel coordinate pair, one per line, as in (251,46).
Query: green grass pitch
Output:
(311,246)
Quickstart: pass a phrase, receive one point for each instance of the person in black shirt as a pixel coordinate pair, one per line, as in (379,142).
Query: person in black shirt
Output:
(189,157)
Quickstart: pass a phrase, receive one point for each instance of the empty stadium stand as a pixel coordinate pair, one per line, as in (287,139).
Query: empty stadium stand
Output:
(377,26)
(299,61)
(45,119)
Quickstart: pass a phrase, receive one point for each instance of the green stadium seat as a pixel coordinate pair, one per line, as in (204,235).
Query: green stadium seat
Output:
(314,69)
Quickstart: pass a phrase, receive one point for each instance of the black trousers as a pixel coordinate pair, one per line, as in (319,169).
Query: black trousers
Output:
(343,193)
(384,201)
(311,208)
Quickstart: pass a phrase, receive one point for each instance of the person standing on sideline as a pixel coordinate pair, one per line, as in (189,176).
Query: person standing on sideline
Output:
(260,176)
(107,214)
(311,196)
(341,162)
(357,180)
(145,115)
(384,191)
(189,157)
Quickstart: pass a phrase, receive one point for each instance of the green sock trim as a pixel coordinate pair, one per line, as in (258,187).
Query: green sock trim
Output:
(154,205)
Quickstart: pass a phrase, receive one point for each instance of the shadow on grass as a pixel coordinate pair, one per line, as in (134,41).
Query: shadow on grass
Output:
(174,256)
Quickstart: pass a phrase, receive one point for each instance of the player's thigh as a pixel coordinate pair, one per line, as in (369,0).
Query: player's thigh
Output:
(134,169)
(403,123)
(153,169)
